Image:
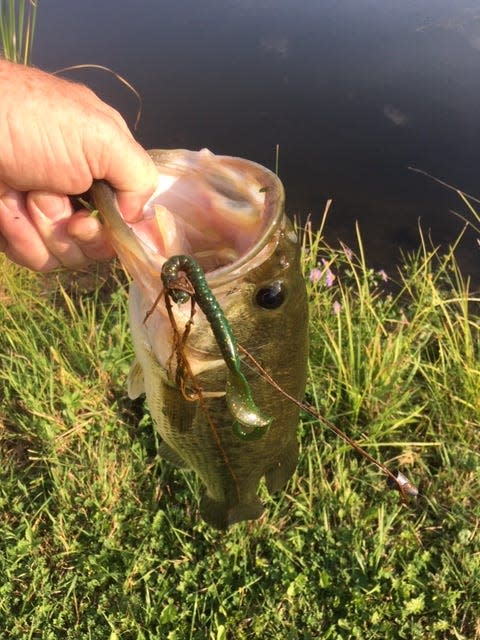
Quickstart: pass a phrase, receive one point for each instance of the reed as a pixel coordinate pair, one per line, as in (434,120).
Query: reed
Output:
(17,29)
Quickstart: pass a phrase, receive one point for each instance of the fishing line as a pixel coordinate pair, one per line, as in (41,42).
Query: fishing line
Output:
(176,281)
(400,481)
(182,283)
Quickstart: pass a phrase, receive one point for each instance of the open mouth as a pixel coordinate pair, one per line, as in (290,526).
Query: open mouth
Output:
(220,210)
(225,212)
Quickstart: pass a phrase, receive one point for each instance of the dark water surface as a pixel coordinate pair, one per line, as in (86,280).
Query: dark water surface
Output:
(353,91)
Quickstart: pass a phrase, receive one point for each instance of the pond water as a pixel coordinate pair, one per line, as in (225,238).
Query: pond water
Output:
(353,91)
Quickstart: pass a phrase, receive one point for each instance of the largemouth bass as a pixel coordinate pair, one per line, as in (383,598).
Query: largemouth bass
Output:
(228,214)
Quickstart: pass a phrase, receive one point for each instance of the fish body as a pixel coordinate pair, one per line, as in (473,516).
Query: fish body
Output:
(228,214)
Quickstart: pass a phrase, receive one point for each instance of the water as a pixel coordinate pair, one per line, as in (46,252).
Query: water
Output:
(353,91)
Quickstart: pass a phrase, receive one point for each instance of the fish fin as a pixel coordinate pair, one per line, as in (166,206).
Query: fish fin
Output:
(278,475)
(170,455)
(135,382)
(220,515)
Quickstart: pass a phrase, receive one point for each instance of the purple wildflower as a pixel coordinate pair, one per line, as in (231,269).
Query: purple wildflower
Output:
(329,278)
(315,275)
(329,275)
(337,307)
(383,274)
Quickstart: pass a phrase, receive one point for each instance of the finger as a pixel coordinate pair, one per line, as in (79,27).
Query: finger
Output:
(21,241)
(50,213)
(90,236)
(132,173)
(119,119)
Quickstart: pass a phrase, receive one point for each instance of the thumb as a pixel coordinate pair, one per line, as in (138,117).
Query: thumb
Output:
(132,173)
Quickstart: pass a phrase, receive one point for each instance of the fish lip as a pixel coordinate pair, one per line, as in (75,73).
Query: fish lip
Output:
(266,238)
(273,211)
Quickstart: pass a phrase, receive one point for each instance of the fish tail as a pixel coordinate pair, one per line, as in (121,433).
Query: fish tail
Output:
(221,515)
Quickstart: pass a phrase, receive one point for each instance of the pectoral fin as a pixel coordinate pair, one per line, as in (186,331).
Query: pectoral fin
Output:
(135,381)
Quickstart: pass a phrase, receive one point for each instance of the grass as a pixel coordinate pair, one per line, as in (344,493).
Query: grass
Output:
(102,540)
(17,29)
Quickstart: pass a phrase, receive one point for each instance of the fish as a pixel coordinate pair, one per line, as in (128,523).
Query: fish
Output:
(228,214)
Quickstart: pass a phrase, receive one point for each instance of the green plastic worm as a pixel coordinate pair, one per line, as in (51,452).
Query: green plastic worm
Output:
(250,423)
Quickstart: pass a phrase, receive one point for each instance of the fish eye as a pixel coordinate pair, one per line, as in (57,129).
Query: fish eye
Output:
(271,297)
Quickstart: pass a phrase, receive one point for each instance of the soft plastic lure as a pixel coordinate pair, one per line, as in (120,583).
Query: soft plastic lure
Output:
(250,423)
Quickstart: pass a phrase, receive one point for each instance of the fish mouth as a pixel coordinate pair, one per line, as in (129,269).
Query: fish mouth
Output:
(223,211)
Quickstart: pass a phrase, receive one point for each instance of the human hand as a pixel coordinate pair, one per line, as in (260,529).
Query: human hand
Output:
(56,137)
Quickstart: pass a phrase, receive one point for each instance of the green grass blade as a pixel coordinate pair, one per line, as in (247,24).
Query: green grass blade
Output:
(101,539)
(17,29)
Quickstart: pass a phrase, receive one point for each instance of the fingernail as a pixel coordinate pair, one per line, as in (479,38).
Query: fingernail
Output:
(84,229)
(12,201)
(88,233)
(50,205)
